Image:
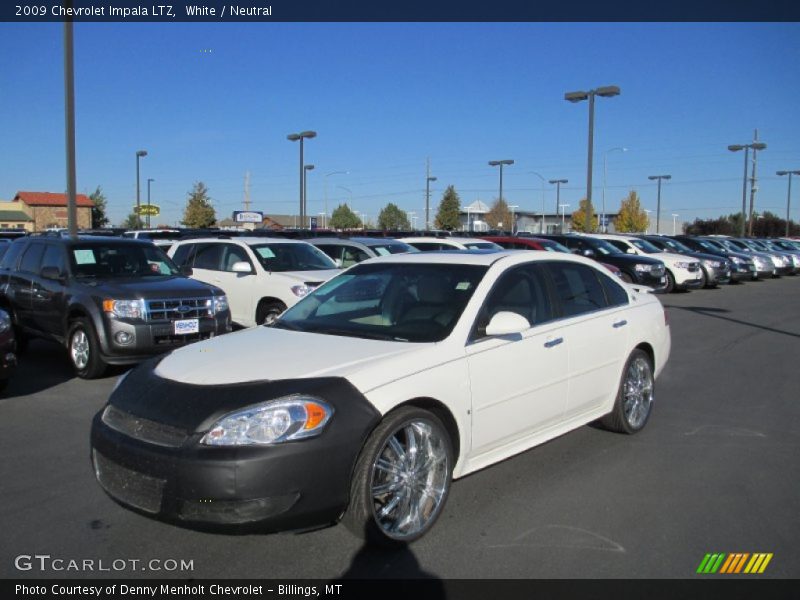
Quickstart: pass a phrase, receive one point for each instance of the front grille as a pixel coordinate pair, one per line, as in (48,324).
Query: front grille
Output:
(143,429)
(129,487)
(179,308)
(170,339)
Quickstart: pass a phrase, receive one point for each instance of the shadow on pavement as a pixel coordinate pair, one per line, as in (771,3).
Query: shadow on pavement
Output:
(709,312)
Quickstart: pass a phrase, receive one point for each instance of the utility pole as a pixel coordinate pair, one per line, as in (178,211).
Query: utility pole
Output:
(247,190)
(428,180)
(753,185)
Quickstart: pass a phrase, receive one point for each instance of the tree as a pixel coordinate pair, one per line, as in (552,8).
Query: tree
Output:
(447,217)
(391,218)
(198,212)
(499,215)
(583,219)
(631,217)
(99,218)
(344,218)
(130,222)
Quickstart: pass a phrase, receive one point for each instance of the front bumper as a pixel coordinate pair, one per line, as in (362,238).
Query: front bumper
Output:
(719,275)
(163,471)
(687,280)
(151,338)
(656,281)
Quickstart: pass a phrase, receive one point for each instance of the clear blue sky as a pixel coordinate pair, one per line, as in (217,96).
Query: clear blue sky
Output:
(212,101)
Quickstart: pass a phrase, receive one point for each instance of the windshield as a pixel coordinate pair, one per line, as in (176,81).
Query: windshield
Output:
(403,302)
(553,246)
(709,245)
(279,257)
(603,247)
(393,248)
(482,246)
(670,244)
(645,246)
(120,260)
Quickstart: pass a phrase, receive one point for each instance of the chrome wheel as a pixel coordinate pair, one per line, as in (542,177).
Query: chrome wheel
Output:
(79,349)
(409,480)
(638,392)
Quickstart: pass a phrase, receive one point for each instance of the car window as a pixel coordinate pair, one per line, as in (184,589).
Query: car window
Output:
(521,290)
(119,260)
(577,287)
(54,257)
(32,258)
(352,256)
(615,293)
(619,245)
(334,251)
(208,256)
(281,257)
(429,246)
(645,246)
(182,254)
(10,259)
(233,254)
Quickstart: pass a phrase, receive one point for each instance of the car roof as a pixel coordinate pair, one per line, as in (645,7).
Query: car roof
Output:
(479,257)
(240,240)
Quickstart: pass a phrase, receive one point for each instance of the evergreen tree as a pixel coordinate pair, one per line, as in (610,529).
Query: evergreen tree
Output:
(99,217)
(447,217)
(631,218)
(198,212)
(130,222)
(499,215)
(344,218)
(583,219)
(391,218)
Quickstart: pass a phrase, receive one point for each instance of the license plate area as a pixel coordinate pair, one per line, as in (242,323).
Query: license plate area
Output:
(186,326)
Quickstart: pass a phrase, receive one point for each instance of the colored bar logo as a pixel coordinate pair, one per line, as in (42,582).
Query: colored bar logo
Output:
(737,562)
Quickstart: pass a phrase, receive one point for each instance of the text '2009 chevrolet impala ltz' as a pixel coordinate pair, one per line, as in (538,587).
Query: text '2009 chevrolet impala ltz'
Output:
(367,398)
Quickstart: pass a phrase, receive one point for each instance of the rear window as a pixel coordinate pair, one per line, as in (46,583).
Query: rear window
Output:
(12,254)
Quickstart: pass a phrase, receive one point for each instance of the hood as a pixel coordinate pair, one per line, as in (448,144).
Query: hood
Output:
(629,259)
(307,276)
(671,257)
(266,353)
(150,287)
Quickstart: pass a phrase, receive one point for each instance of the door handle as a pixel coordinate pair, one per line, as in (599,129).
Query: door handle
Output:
(619,324)
(555,342)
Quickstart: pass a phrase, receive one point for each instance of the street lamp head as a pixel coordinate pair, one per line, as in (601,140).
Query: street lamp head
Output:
(554,181)
(432,178)
(308,134)
(293,137)
(654,177)
(309,167)
(607,91)
(141,153)
(735,147)
(758,145)
(576,96)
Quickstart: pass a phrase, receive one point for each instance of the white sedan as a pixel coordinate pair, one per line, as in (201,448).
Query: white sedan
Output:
(369,396)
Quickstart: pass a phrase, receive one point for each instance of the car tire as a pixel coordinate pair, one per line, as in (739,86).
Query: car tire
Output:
(704,280)
(268,311)
(626,277)
(84,350)
(393,499)
(635,396)
(670,282)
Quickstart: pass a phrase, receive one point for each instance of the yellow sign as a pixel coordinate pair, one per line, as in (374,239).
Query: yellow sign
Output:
(147,210)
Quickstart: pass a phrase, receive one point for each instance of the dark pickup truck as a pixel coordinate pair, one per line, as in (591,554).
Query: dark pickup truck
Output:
(108,300)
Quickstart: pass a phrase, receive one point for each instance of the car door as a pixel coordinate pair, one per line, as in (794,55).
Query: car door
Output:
(48,295)
(22,283)
(238,286)
(518,382)
(595,332)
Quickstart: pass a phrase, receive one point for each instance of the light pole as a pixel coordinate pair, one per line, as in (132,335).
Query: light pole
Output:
(139,155)
(293,137)
(149,181)
(658,201)
(563,216)
(326,187)
(428,180)
(788,194)
(501,163)
(603,225)
(674,223)
(558,183)
(746,147)
(607,91)
(306,169)
(647,229)
(542,226)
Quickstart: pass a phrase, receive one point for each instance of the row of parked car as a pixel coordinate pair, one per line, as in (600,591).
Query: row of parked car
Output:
(119,300)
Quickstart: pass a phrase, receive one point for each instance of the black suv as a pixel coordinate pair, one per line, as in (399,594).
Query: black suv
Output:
(640,270)
(108,300)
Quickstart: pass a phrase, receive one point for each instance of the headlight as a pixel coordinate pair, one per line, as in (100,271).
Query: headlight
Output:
(714,264)
(301,291)
(682,265)
(272,422)
(124,309)
(642,268)
(736,260)
(5,321)
(220,304)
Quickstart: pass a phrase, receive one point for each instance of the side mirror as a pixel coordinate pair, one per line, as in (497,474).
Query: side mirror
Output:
(506,323)
(242,267)
(185,270)
(53,273)
(589,253)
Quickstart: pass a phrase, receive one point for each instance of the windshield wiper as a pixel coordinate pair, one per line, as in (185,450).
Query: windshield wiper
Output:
(369,335)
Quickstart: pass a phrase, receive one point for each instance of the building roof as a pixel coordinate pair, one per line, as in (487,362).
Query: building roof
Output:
(476,207)
(14,215)
(50,199)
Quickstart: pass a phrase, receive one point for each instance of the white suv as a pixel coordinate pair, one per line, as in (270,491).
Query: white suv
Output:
(261,276)
(683,272)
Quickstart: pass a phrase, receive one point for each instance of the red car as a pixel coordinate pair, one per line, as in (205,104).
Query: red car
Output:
(534,243)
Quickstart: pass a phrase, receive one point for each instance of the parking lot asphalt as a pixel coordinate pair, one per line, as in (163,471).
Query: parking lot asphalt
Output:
(715,470)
